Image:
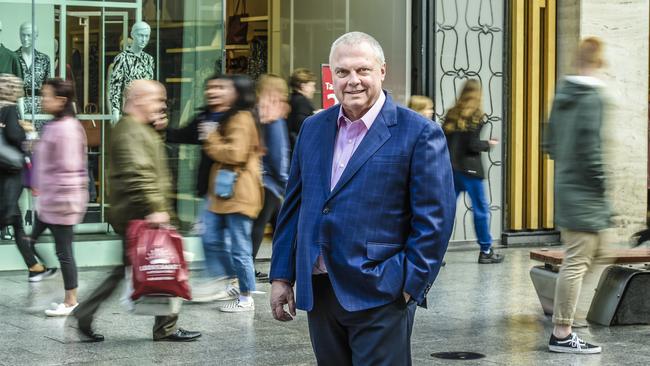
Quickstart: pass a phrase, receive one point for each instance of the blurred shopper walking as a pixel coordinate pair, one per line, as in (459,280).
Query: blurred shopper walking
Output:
(140,189)
(303,86)
(195,132)
(11,185)
(61,183)
(462,126)
(236,193)
(272,93)
(582,212)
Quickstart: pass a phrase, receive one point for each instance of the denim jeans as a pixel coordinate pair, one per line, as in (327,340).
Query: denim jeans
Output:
(480,207)
(226,258)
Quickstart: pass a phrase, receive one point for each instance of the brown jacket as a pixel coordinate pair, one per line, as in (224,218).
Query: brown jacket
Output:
(237,147)
(138,178)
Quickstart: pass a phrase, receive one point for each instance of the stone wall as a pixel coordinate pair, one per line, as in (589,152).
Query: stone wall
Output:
(623,26)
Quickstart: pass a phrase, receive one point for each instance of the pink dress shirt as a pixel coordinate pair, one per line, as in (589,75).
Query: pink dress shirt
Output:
(348,138)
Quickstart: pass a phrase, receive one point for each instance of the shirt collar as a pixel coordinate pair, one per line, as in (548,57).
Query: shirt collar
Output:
(369,118)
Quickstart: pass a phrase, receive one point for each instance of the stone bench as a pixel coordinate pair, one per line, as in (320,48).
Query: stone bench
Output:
(619,297)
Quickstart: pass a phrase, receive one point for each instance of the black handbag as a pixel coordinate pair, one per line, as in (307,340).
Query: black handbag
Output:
(11,158)
(237,30)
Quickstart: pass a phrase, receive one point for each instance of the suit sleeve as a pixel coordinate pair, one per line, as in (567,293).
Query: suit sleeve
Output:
(283,259)
(433,207)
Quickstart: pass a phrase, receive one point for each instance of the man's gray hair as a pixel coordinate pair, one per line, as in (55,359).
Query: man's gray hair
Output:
(354,39)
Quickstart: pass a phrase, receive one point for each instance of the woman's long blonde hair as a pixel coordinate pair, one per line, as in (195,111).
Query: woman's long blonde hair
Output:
(466,114)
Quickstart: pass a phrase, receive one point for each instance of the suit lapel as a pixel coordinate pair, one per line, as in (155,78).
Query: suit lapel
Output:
(374,139)
(327,150)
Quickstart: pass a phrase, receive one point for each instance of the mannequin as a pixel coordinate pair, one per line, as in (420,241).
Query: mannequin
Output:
(9,63)
(37,69)
(131,64)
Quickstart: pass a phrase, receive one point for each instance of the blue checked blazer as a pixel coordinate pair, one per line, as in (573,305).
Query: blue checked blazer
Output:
(385,226)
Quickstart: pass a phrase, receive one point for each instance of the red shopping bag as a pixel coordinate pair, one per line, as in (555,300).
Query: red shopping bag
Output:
(156,255)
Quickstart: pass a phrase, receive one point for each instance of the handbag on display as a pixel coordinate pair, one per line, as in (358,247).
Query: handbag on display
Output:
(11,158)
(156,256)
(237,30)
(224,183)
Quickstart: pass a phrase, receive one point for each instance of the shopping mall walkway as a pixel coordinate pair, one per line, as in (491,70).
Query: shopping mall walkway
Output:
(490,309)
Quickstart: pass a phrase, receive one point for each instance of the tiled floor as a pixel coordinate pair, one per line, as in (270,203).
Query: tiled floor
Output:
(491,309)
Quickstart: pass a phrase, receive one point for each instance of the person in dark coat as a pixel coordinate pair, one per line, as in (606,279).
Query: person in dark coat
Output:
(11,186)
(462,127)
(582,211)
(195,133)
(303,86)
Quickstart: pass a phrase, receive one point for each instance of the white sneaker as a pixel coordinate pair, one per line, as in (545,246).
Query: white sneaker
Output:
(229,293)
(237,306)
(61,310)
(207,293)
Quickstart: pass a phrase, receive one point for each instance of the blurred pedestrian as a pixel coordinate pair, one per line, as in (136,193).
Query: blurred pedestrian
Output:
(423,105)
(303,87)
(196,131)
(462,125)
(236,193)
(140,190)
(11,186)
(61,183)
(367,217)
(582,212)
(272,94)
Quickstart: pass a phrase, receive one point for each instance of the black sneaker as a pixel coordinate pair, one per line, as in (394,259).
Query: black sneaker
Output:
(43,275)
(490,257)
(261,276)
(572,344)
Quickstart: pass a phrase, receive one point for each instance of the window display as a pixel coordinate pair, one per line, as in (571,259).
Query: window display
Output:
(35,69)
(9,63)
(131,64)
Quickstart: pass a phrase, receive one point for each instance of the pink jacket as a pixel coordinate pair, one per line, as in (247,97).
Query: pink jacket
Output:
(61,175)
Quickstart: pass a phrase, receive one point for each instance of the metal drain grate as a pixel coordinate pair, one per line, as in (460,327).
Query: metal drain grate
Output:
(458,355)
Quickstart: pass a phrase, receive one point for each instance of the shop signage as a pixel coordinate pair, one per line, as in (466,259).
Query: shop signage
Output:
(329,99)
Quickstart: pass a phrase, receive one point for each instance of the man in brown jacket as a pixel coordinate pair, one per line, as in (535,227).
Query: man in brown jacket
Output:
(140,186)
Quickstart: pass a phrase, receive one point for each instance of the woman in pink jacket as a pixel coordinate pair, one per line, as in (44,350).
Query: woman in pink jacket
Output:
(61,182)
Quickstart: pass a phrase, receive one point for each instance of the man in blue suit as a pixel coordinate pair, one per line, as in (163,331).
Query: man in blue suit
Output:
(367,217)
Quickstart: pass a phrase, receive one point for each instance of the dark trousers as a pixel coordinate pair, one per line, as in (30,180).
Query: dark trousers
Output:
(272,205)
(63,236)
(379,336)
(85,312)
(26,247)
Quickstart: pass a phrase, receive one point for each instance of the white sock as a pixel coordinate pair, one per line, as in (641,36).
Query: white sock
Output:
(243,298)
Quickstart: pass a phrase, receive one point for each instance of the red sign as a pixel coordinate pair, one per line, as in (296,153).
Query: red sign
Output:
(329,99)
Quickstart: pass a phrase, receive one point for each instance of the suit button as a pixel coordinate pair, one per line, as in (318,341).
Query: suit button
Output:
(326,210)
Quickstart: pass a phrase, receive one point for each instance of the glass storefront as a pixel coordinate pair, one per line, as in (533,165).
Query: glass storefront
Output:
(309,27)
(81,40)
